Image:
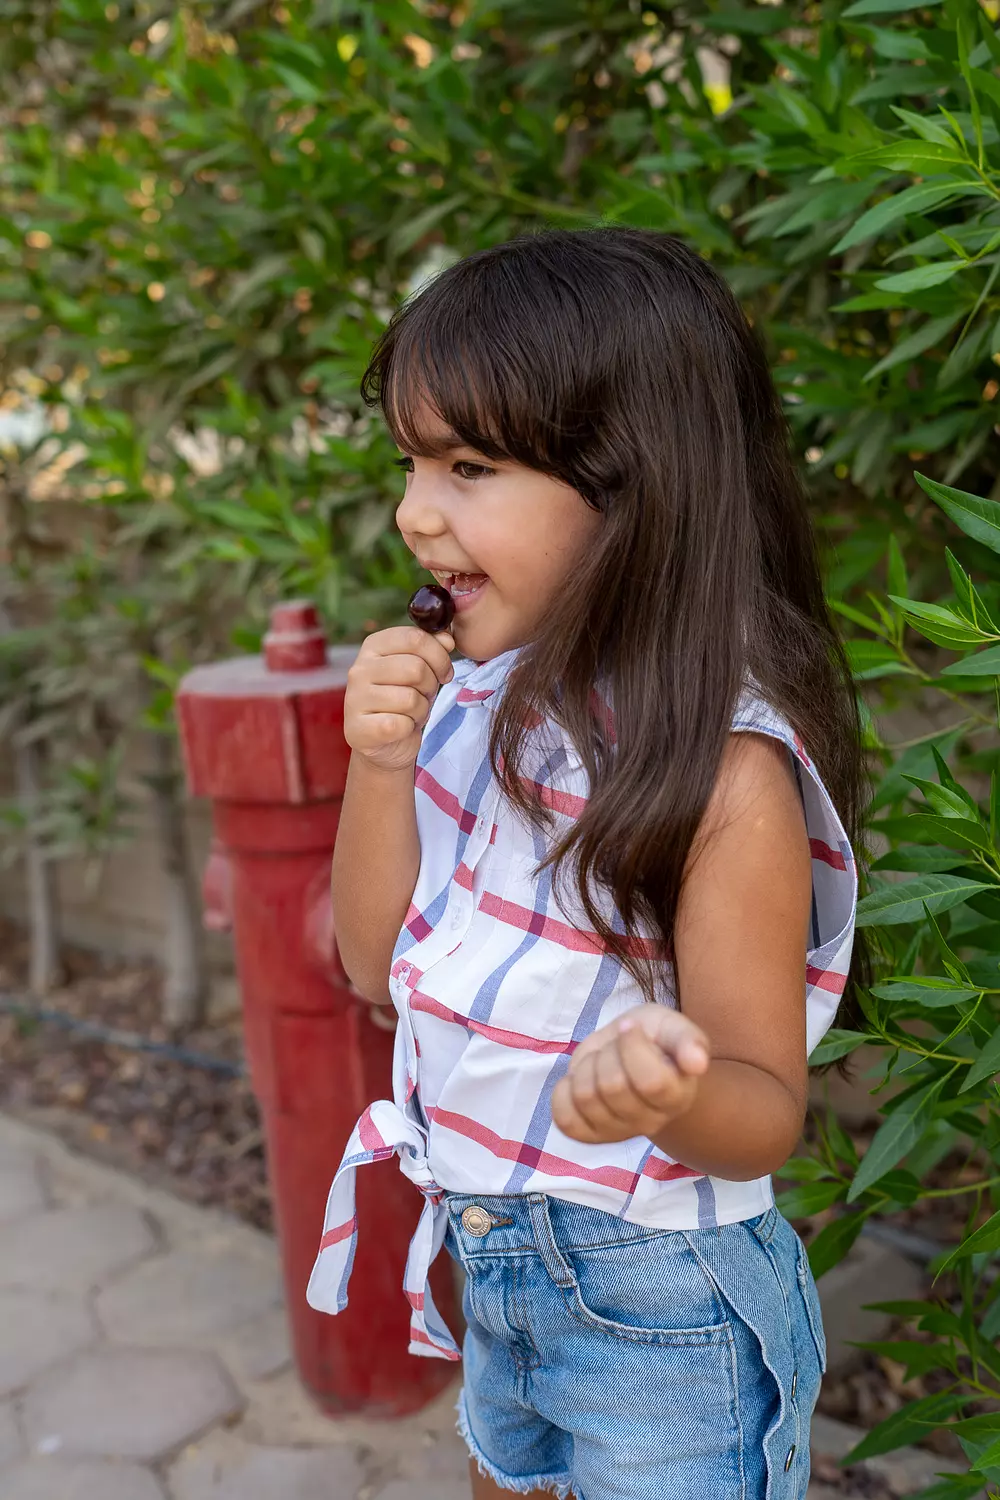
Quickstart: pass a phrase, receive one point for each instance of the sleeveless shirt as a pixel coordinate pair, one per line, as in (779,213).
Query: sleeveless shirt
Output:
(496,978)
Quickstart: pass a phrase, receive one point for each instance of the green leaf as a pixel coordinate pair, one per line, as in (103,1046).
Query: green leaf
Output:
(415,226)
(895,569)
(245,287)
(984,1239)
(953,1487)
(833,1242)
(836,1044)
(923,989)
(967,595)
(987,1064)
(946,802)
(927,336)
(911,200)
(903,901)
(871,659)
(954,833)
(977,517)
(895,1136)
(922,158)
(905,1426)
(941,625)
(882,7)
(917,1358)
(988,1459)
(804,1169)
(984,664)
(921,277)
(809,1198)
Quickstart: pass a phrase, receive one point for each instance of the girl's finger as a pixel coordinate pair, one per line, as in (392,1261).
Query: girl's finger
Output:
(614,1089)
(567,1116)
(674,1034)
(651,1073)
(590,1044)
(587,1095)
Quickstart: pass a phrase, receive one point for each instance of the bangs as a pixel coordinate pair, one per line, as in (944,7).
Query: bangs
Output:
(474,351)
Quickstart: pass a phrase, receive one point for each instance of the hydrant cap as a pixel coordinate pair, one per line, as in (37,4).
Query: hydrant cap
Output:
(295,641)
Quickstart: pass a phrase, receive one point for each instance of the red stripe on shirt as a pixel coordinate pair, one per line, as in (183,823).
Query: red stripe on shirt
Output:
(826,979)
(560,933)
(560,802)
(830,856)
(445,800)
(432,1007)
(556,1166)
(417,1336)
(368,1133)
(334,1236)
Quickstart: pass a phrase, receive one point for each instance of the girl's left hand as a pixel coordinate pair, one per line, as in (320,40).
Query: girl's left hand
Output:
(632,1077)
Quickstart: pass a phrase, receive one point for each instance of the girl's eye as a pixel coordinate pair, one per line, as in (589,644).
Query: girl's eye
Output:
(479,470)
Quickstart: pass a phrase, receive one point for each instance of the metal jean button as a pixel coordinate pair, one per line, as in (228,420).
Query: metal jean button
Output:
(476,1220)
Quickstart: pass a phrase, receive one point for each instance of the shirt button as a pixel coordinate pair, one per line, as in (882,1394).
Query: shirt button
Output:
(788,1460)
(795,1383)
(456,919)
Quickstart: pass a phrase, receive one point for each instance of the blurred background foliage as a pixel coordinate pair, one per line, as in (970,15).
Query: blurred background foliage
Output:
(207,213)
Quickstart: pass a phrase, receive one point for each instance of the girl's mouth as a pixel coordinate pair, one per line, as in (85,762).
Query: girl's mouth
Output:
(464,588)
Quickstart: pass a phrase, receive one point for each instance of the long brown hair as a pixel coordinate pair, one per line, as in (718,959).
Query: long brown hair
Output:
(618,361)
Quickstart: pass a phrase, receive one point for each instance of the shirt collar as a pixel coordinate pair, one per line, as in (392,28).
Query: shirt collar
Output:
(480,679)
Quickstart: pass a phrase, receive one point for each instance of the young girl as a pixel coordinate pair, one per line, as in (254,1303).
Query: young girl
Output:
(601,868)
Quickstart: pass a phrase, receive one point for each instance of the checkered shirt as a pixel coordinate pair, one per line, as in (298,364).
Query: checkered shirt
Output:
(497,977)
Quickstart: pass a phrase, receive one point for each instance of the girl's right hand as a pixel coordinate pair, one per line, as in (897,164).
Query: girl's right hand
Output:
(390,688)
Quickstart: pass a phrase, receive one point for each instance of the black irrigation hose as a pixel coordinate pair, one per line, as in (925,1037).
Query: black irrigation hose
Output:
(93,1031)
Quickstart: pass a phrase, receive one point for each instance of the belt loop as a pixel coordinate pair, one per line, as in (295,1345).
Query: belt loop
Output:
(552,1257)
(765,1226)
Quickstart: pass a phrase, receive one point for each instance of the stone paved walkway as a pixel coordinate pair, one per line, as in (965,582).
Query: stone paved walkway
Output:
(143,1356)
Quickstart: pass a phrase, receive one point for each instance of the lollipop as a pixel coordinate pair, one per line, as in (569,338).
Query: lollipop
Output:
(432,608)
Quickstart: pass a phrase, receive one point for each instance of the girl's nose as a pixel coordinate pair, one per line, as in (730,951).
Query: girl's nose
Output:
(417,512)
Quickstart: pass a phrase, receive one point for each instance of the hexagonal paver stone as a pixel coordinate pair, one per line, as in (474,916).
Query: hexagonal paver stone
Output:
(10,1438)
(73,1247)
(187,1297)
(225,1468)
(128,1403)
(21,1190)
(426,1489)
(53,1479)
(261,1348)
(39,1329)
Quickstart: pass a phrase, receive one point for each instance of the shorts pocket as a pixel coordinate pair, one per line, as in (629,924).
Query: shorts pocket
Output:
(810,1296)
(642,1290)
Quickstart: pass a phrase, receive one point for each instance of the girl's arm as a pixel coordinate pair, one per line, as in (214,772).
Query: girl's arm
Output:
(376,859)
(739,952)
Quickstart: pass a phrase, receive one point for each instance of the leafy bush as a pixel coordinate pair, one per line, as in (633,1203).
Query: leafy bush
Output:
(936,1015)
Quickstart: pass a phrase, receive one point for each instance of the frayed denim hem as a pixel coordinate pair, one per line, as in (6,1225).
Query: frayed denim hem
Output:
(562,1488)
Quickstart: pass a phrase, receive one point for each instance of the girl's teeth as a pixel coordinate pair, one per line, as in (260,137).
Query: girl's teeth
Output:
(467,583)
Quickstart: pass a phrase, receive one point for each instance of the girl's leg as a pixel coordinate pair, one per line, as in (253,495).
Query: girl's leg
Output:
(485,1489)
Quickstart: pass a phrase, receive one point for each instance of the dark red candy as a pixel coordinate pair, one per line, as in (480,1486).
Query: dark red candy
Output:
(432,608)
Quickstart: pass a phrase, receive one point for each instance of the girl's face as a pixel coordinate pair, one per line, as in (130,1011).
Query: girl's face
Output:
(500,537)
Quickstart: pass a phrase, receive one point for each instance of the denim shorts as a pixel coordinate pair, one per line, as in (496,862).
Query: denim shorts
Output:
(610,1361)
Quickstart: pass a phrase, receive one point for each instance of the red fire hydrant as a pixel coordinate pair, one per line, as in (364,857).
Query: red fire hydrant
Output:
(263,737)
